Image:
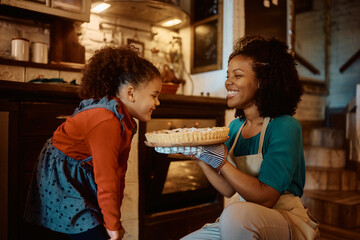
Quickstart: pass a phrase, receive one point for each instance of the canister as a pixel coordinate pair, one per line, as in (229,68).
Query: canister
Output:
(39,52)
(20,49)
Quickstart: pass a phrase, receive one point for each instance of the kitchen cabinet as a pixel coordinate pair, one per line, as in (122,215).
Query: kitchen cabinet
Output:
(78,10)
(32,112)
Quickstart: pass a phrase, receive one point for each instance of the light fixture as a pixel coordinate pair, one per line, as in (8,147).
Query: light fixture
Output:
(171,22)
(100,7)
(266,3)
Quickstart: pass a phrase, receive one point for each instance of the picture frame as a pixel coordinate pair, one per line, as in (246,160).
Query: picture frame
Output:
(137,44)
(206,43)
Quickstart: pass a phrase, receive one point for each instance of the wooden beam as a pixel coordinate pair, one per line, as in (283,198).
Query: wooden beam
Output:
(350,61)
(306,64)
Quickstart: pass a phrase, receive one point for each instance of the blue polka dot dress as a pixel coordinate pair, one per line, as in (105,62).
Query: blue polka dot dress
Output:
(62,194)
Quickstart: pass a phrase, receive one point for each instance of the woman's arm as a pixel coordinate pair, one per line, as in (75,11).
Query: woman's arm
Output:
(249,187)
(231,180)
(283,154)
(216,179)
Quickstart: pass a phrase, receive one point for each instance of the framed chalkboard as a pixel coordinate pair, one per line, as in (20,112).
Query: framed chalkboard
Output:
(206,41)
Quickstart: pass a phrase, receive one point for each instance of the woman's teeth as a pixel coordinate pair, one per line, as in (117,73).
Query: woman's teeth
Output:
(232,93)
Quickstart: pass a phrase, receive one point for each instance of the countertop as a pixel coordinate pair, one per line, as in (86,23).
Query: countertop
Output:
(19,91)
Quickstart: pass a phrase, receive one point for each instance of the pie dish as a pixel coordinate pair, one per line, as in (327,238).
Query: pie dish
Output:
(187,137)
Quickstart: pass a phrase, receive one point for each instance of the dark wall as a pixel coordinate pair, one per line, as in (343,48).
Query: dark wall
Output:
(264,21)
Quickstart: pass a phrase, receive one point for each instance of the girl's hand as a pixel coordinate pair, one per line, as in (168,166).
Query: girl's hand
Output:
(116,235)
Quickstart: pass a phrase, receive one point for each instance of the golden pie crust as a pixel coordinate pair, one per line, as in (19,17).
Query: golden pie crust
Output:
(187,136)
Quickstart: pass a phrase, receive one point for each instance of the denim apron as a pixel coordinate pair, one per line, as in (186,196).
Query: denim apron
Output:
(62,195)
(301,223)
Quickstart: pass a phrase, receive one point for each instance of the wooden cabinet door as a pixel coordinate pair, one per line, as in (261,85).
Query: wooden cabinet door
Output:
(37,122)
(81,13)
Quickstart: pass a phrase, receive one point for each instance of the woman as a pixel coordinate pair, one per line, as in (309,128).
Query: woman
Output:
(263,160)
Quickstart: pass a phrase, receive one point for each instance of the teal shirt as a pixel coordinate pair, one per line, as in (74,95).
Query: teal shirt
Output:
(283,167)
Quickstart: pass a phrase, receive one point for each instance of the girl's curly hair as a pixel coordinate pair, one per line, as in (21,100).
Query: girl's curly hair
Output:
(109,68)
(279,86)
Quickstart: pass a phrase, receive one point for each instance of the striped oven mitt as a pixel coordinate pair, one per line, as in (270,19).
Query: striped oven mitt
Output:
(214,155)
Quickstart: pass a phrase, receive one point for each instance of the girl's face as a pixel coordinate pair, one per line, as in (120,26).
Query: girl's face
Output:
(241,83)
(142,100)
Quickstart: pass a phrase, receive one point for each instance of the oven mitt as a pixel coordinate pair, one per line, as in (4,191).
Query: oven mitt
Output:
(214,155)
(191,151)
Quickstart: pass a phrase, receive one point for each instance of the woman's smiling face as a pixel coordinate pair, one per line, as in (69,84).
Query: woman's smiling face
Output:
(241,83)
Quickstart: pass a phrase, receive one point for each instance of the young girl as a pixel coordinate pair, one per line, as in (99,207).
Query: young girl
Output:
(79,180)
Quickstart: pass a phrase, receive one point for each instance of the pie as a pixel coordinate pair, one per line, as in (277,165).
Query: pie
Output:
(187,136)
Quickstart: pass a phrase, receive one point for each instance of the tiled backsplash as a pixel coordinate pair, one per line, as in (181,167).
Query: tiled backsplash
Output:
(112,31)
(25,74)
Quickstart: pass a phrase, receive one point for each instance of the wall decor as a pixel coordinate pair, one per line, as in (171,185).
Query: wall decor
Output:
(206,53)
(140,46)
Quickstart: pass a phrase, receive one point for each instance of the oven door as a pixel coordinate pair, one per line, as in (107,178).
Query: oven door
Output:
(175,181)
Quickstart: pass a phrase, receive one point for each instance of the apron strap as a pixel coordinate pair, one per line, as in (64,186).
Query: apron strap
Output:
(262,134)
(237,137)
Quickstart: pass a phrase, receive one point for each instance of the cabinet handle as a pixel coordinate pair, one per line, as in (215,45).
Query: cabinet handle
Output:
(63,117)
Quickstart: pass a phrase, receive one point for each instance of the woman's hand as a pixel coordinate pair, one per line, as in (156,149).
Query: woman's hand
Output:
(116,235)
(214,155)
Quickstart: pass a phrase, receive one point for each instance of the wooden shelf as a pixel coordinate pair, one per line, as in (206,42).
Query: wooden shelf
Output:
(62,66)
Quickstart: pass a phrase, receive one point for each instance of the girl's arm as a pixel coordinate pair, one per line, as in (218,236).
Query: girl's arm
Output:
(116,235)
(109,170)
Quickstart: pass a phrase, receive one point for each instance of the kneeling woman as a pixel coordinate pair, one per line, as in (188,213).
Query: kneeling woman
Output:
(263,160)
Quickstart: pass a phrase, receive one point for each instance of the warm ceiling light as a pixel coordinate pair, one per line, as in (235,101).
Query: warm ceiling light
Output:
(100,7)
(171,22)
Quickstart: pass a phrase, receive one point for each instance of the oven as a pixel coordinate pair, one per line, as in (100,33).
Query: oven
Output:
(173,189)
(175,181)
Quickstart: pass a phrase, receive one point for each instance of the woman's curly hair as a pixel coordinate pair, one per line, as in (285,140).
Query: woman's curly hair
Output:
(109,68)
(279,86)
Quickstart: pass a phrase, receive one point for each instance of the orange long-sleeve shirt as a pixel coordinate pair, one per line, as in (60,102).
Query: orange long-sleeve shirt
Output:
(98,133)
